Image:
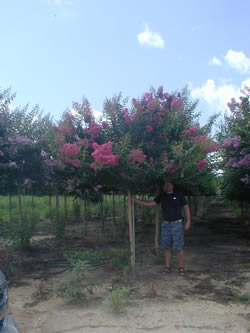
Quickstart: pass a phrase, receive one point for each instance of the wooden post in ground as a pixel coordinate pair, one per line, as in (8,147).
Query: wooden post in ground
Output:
(131,232)
(20,209)
(157,228)
(10,208)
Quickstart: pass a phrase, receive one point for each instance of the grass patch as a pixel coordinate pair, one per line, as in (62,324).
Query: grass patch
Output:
(117,300)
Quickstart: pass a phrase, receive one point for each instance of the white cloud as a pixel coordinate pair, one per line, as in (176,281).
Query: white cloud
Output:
(217,96)
(238,60)
(97,114)
(215,61)
(150,38)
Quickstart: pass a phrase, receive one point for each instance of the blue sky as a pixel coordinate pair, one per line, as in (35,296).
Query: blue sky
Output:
(53,52)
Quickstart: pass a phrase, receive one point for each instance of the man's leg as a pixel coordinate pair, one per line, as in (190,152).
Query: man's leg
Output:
(166,245)
(167,255)
(180,257)
(178,244)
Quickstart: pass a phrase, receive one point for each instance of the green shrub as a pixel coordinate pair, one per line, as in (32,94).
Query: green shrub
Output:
(77,282)
(19,234)
(118,299)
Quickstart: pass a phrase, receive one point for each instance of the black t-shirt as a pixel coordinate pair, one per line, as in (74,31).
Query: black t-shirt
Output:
(171,205)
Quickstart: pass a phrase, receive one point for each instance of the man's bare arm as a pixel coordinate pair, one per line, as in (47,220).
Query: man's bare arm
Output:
(188,217)
(151,203)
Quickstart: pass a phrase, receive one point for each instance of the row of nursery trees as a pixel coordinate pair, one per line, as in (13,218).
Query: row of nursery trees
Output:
(130,149)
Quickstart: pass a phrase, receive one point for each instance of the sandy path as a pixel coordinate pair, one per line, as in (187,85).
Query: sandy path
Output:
(203,302)
(151,315)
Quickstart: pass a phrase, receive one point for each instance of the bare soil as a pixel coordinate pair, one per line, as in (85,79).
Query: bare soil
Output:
(217,258)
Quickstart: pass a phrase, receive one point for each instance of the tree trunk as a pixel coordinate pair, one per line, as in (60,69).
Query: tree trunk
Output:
(131,230)
(113,209)
(57,214)
(85,211)
(20,209)
(50,210)
(10,208)
(32,206)
(101,207)
(157,228)
(124,207)
(65,206)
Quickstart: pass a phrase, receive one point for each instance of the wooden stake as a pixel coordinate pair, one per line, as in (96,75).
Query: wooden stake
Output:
(157,227)
(130,223)
(10,207)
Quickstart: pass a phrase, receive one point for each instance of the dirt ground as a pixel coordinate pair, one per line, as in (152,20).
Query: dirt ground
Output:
(205,300)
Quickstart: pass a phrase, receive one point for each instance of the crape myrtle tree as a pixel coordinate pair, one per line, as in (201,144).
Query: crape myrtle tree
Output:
(158,138)
(22,136)
(235,139)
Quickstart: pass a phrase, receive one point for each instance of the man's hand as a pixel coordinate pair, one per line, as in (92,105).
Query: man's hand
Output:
(187,226)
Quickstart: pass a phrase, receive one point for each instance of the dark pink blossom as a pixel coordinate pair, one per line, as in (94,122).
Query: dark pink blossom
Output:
(134,101)
(105,124)
(70,150)
(201,164)
(103,154)
(136,156)
(149,129)
(94,129)
(176,104)
(190,132)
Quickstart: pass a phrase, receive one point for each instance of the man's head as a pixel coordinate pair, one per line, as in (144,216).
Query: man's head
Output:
(168,187)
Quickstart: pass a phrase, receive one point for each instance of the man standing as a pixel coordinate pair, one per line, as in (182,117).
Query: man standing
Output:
(172,229)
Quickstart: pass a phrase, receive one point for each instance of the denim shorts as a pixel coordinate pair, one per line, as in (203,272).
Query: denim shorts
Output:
(172,236)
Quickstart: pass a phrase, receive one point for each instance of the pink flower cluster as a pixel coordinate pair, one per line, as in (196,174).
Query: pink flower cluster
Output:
(128,117)
(201,164)
(173,168)
(152,105)
(69,151)
(104,156)
(149,129)
(232,142)
(94,129)
(105,124)
(65,130)
(136,156)
(190,132)
(243,162)
(211,147)
(176,104)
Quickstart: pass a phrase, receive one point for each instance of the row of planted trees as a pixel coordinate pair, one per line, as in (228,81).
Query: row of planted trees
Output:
(131,149)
